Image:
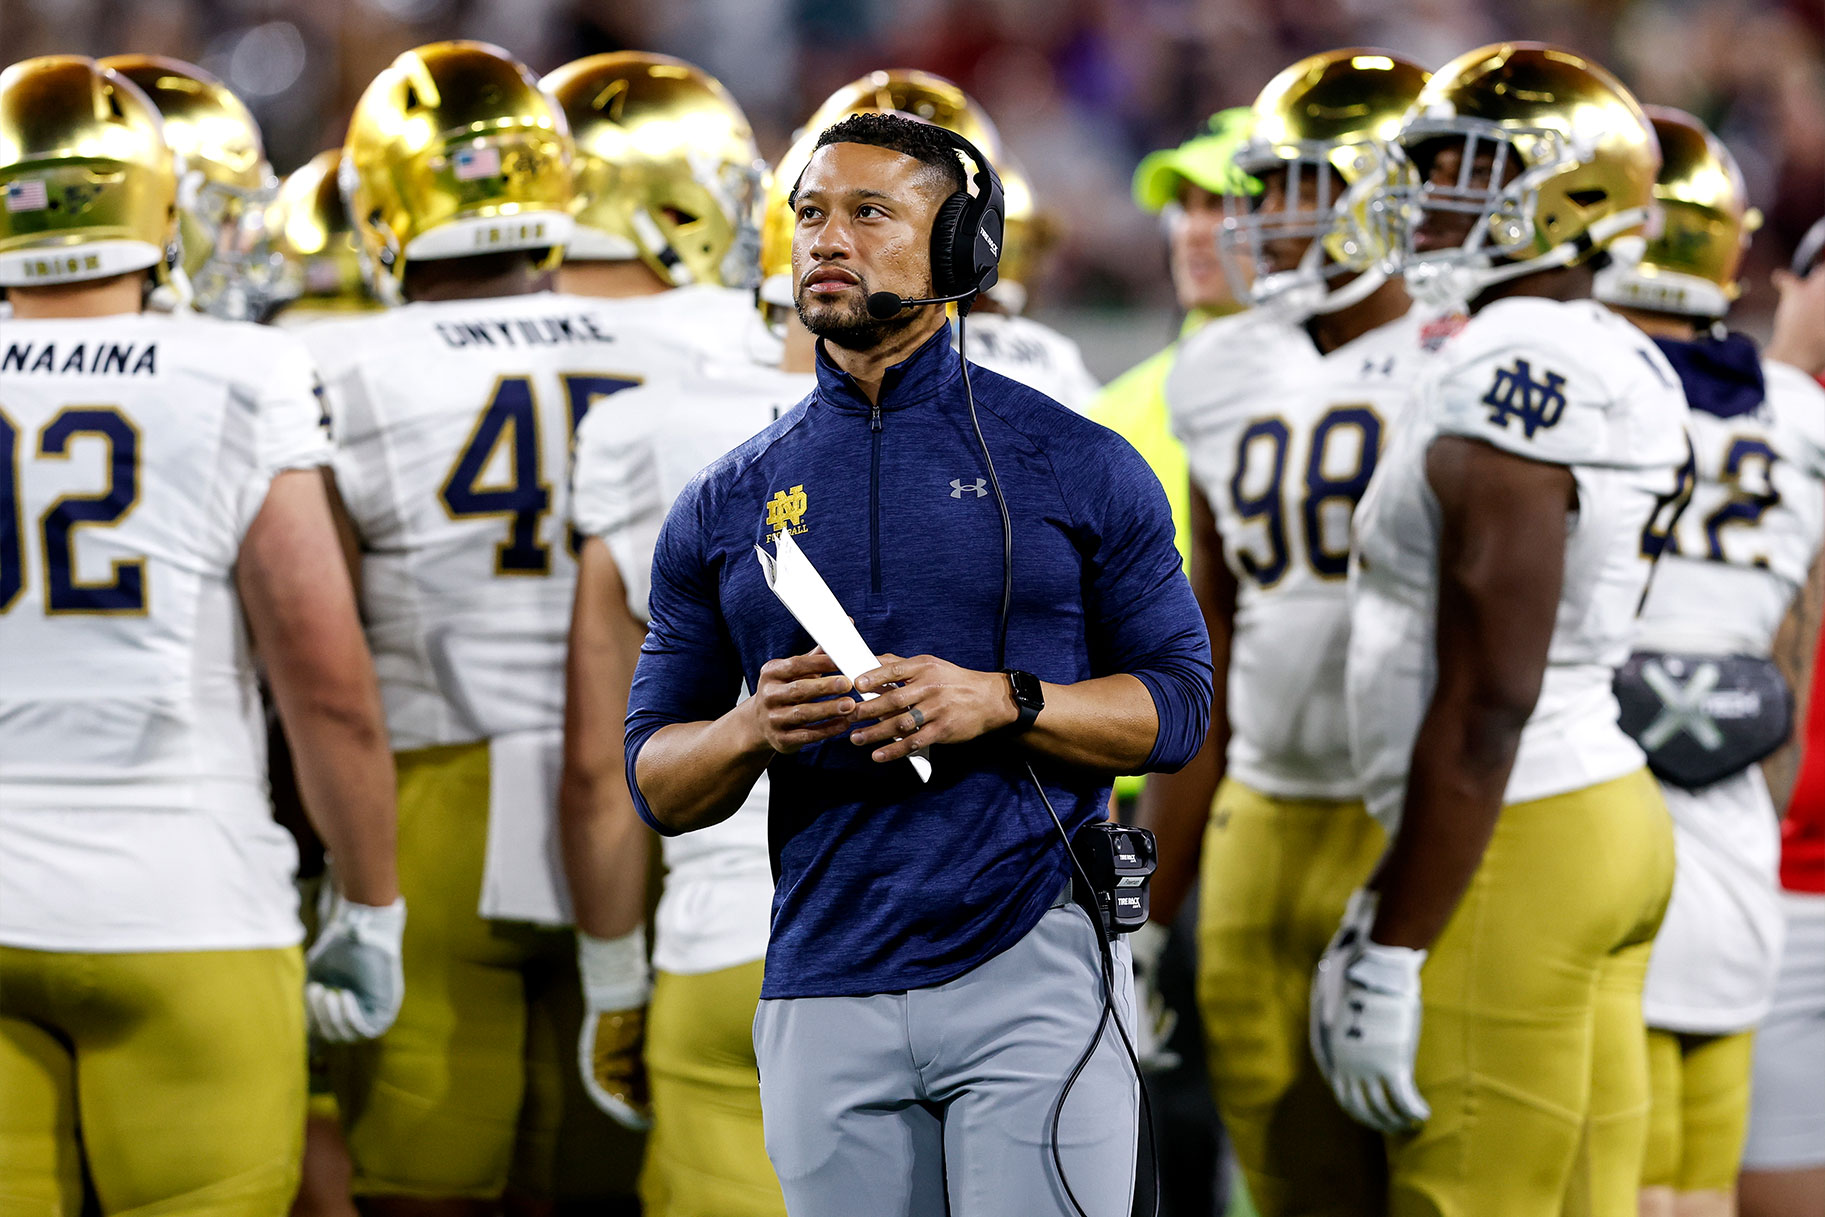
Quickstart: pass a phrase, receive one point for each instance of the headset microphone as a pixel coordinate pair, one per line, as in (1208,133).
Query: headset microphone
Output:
(882,305)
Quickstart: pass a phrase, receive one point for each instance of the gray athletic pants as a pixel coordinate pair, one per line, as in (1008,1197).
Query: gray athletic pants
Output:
(939,1100)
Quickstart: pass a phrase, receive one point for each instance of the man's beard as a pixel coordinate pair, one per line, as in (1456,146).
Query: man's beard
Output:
(850,325)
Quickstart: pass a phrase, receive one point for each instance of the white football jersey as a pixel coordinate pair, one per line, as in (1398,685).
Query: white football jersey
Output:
(453,425)
(635,454)
(135,451)
(1036,355)
(720,323)
(1742,548)
(1737,556)
(1282,441)
(1568,383)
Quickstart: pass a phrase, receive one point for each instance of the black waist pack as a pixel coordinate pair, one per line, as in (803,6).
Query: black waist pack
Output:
(1703,718)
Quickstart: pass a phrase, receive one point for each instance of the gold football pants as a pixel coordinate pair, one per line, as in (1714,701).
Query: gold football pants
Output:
(474,1089)
(1275,877)
(1699,1117)
(1532,1050)
(175,1078)
(706,1155)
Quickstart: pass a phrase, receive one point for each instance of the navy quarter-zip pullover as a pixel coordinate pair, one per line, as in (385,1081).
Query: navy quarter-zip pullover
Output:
(884,883)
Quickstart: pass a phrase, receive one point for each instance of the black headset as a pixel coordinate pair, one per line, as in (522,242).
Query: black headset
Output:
(967,232)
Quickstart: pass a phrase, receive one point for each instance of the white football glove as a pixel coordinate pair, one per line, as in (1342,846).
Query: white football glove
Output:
(353,980)
(1365,1023)
(1156,1021)
(611,1051)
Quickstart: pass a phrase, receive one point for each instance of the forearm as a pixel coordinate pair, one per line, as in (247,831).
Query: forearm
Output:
(693,775)
(1107,723)
(301,615)
(606,847)
(607,852)
(345,775)
(1461,761)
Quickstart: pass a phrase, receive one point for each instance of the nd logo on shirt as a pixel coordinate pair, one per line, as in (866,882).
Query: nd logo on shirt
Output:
(1516,394)
(786,511)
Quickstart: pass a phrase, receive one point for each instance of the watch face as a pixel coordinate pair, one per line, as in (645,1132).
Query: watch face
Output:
(1027,695)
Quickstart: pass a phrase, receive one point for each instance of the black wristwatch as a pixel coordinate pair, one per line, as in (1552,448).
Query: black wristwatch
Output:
(1029,700)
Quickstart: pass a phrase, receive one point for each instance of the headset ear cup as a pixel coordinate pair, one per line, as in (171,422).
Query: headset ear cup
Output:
(950,272)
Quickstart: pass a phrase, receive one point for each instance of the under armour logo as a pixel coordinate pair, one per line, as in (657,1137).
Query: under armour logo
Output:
(1371,368)
(1354,1030)
(958,486)
(1693,707)
(1516,394)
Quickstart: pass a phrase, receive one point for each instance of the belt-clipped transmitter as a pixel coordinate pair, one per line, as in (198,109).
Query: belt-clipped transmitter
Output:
(1119,861)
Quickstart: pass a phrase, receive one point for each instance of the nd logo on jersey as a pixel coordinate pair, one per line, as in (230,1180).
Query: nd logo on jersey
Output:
(786,511)
(1516,394)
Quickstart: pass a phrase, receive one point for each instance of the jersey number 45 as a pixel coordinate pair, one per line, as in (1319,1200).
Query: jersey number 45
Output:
(510,422)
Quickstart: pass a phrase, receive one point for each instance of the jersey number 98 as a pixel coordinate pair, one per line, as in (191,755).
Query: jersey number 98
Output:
(1263,445)
(123,592)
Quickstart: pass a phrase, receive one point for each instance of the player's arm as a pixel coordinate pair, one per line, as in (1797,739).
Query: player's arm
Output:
(301,612)
(606,846)
(1501,569)
(1176,806)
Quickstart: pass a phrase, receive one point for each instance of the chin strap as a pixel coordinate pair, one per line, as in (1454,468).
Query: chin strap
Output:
(1445,284)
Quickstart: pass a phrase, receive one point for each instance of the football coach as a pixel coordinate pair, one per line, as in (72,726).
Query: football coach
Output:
(933,975)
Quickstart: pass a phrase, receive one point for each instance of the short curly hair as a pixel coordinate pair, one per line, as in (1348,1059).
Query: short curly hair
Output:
(925,143)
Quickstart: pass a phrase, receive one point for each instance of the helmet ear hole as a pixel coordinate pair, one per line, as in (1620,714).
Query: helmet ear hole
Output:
(1588,198)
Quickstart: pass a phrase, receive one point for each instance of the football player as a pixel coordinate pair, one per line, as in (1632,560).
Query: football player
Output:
(1500,553)
(1784,1159)
(667,175)
(1000,338)
(320,274)
(665,190)
(224,187)
(454,413)
(1733,564)
(163,521)
(1282,411)
(706,1156)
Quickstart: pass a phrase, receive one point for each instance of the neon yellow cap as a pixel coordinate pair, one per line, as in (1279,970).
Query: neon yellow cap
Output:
(1206,159)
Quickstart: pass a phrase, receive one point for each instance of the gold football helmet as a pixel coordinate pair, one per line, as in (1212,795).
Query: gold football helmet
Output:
(224,182)
(1333,116)
(1689,265)
(1582,154)
(321,266)
(88,184)
(453,151)
(666,167)
(902,90)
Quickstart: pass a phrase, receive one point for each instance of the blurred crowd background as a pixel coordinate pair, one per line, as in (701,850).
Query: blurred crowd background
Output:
(1081,89)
